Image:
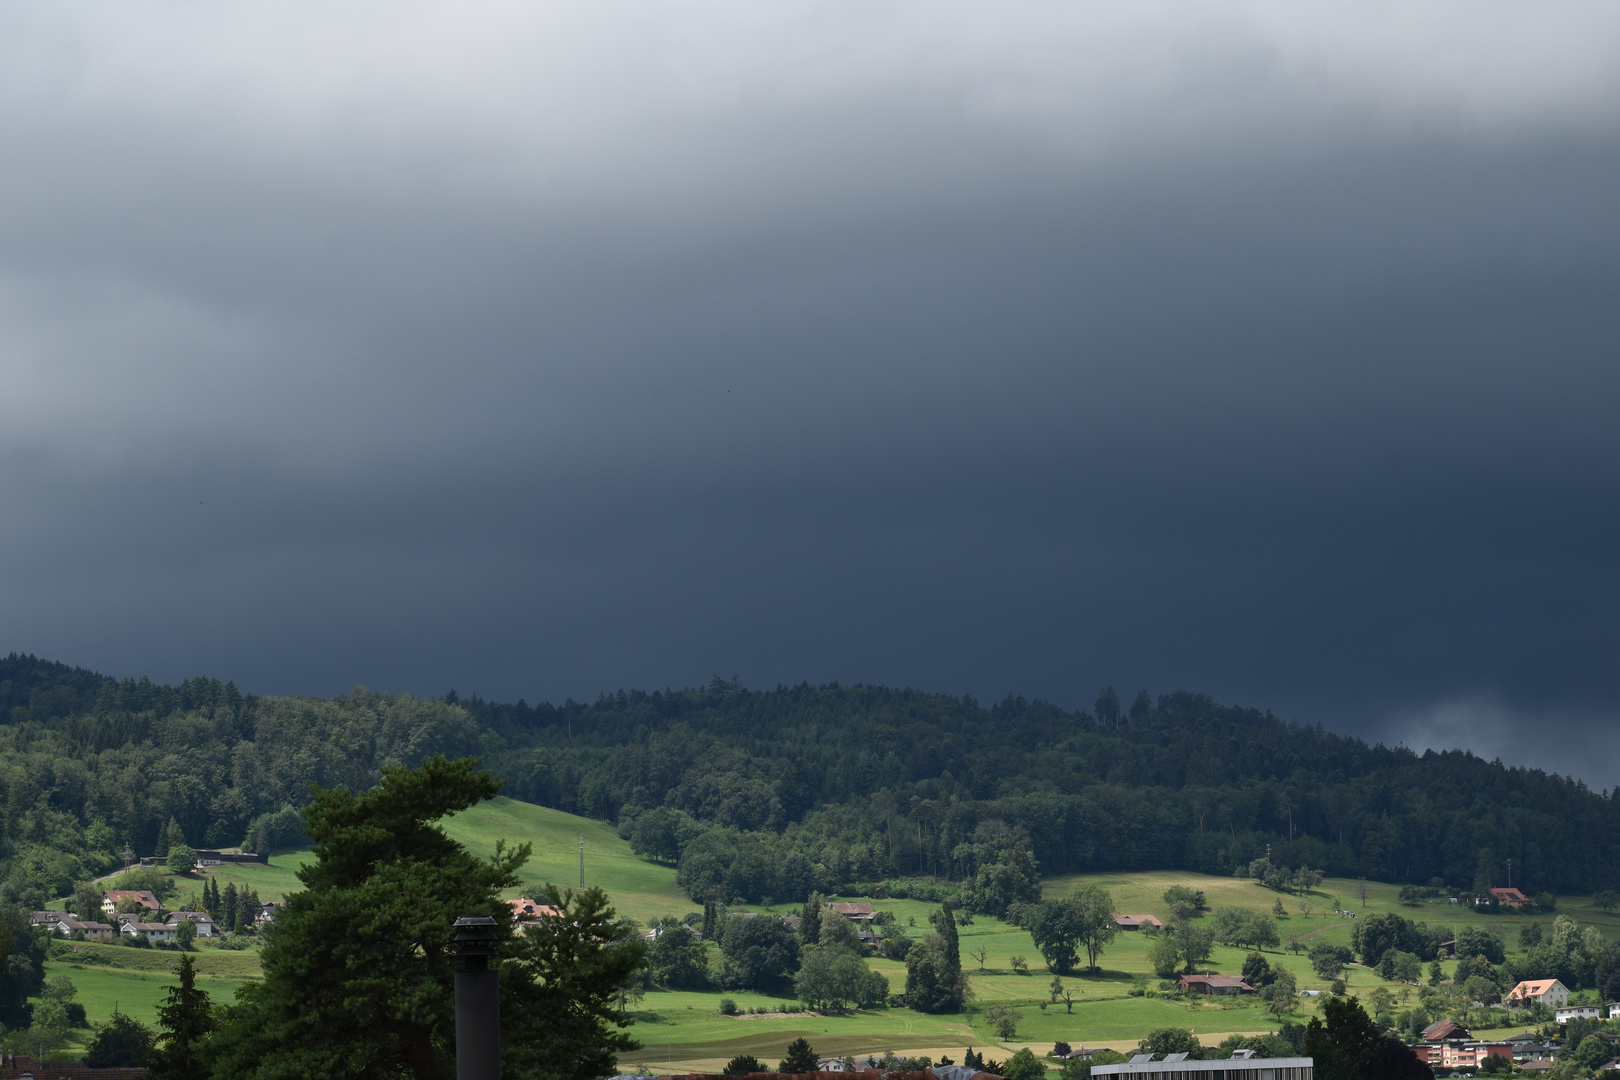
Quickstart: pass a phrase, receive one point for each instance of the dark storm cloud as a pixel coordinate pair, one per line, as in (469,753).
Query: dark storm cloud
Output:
(542,354)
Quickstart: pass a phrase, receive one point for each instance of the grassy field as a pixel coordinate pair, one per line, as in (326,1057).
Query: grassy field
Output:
(685,1030)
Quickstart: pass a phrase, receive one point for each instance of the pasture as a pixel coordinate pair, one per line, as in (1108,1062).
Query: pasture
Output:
(684,1030)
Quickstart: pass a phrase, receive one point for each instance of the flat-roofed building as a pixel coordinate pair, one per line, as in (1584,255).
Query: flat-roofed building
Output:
(1179,1067)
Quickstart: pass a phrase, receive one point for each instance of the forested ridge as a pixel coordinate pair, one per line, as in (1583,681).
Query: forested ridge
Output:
(781,792)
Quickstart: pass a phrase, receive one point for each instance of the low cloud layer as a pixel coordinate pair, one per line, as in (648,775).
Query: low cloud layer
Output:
(543,350)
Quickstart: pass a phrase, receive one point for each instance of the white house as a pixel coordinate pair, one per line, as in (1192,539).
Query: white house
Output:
(1584,1012)
(154,931)
(200,919)
(1549,992)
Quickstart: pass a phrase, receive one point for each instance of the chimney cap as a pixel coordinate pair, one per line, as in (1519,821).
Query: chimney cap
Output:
(476,935)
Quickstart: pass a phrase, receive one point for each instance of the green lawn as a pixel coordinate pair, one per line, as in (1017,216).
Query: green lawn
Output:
(686,1030)
(640,889)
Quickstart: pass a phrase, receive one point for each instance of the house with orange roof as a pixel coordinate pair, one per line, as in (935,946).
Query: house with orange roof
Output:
(1512,898)
(525,910)
(111,898)
(1549,992)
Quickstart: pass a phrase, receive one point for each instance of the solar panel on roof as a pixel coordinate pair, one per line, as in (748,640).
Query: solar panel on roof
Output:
(1141,1059)
(1176,1057)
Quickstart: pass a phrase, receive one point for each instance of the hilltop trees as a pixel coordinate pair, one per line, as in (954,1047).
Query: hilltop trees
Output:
(787,791)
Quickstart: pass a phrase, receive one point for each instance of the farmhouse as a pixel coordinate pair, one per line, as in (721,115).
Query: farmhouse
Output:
(855,912)
(1549,992)
(1214,984)
(1137,922)
(1512,898)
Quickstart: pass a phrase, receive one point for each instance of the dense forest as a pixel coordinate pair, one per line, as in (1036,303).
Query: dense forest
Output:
(781,792)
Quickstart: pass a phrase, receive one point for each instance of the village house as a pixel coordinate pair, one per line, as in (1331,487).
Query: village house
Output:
(89,931)
(1137,922)
(1443,1030)
(1549,992)
(113,897)
(1580,1012)
(861,913)
(525,910)
(200,919)
(1512,898)
(1461,1055)
(267,913)
(1528,1046)
(153,931)
(1214,984)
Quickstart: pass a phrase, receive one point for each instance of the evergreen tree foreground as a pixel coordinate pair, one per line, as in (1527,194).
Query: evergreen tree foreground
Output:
(359,967)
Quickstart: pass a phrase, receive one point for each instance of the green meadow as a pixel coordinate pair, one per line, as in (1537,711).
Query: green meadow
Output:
(684,1030)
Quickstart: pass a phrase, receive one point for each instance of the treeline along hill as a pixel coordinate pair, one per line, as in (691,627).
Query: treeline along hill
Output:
(777,793)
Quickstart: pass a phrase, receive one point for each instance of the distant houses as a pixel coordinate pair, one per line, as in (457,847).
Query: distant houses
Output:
(1512,898)
(1137,922)
(67,924)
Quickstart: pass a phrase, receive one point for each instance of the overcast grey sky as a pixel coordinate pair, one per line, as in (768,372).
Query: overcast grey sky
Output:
(1263,349)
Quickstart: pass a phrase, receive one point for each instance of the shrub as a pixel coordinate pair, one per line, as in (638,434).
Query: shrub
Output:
(728,1007)
(1023,1066)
